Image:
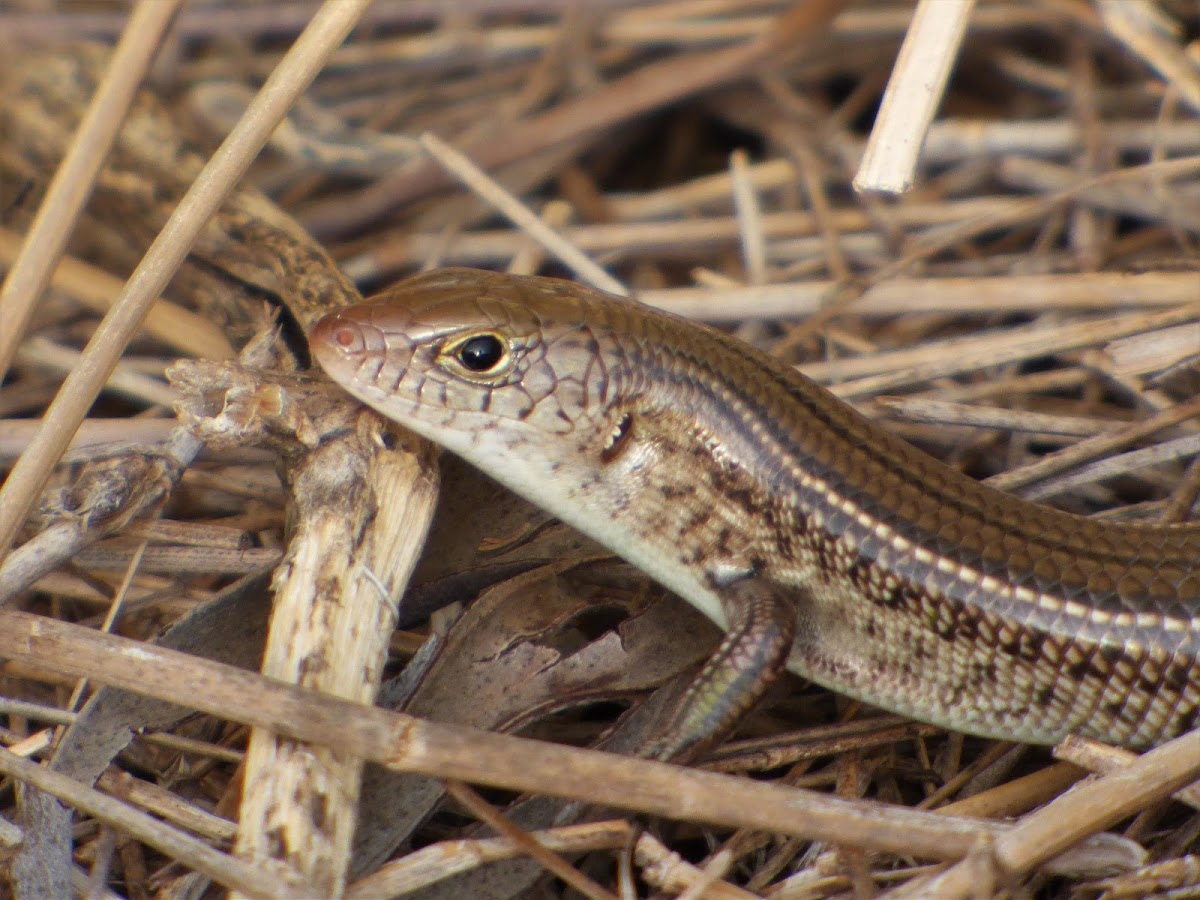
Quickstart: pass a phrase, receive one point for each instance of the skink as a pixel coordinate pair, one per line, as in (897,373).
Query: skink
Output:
(814,536)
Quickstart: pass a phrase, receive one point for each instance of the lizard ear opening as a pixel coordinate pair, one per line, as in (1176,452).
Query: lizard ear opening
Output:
(618,439)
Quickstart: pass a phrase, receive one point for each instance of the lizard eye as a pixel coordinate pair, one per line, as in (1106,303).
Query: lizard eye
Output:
(482,354)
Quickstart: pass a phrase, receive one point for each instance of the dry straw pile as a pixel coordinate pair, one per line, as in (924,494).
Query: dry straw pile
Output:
(976,221)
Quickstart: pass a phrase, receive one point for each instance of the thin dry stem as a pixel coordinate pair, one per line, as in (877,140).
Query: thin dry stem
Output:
(913,94)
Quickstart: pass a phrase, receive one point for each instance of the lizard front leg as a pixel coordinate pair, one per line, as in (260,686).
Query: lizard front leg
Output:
(749,659)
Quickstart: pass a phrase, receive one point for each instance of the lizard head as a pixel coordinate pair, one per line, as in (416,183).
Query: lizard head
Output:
(510,373)
(579,401)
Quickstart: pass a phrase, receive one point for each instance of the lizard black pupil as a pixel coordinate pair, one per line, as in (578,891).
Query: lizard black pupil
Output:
(479,354)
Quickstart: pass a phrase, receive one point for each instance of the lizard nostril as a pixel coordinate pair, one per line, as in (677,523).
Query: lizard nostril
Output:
(345,336)
(334,332)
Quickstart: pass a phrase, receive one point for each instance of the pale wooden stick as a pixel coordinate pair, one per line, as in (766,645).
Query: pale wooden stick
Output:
(913,95)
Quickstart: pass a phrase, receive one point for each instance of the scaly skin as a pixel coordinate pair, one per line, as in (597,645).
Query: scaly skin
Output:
(751,491)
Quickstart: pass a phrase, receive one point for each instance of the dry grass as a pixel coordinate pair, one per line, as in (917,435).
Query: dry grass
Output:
(1027,310)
